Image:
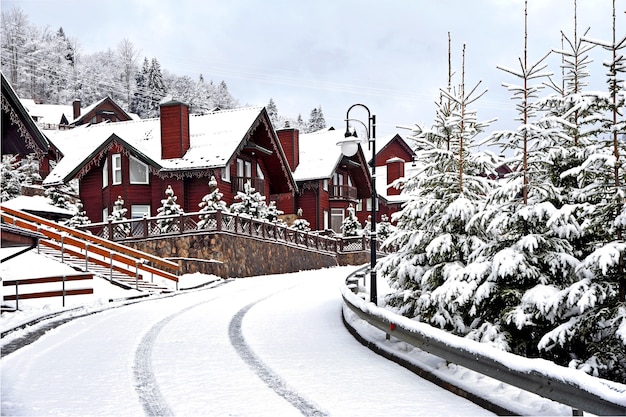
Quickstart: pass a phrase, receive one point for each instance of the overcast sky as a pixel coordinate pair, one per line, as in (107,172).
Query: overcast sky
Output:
(389,55)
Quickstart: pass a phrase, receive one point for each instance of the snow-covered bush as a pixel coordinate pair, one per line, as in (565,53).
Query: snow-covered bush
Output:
(251,203)
(211,202)
(119,214)
(350,226)
(169,207)
(79,218)
(10,178)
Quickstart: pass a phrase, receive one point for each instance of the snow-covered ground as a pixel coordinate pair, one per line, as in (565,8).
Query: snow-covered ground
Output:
(271,345)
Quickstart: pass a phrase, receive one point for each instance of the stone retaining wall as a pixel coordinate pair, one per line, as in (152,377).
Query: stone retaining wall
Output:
(230,256)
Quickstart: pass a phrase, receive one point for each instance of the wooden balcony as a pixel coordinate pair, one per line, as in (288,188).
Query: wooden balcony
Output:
(238,183)
(343,192)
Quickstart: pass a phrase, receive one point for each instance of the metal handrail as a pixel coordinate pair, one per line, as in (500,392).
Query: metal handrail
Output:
(566,386)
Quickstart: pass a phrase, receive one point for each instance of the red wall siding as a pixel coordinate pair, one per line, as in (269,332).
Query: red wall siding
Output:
(393,150)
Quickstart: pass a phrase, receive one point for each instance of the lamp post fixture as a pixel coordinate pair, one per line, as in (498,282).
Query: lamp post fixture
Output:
(349,147)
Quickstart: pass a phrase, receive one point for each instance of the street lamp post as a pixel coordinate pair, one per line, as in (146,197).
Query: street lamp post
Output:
(349,147)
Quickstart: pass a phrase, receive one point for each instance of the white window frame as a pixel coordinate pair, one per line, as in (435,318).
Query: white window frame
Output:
(226,173)
(259,172)
(105,174)
(116,168)
(105,214)
(369,204)
(146,179)
(139,211)
(325,184)
(337,213)
(359,205)
(326,219)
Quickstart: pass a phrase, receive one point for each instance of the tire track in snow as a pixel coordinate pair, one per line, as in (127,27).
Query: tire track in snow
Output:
(146,385)
(272,380)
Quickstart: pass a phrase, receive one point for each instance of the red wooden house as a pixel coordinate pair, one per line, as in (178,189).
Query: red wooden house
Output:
(328,182)
(137,160)
(105,110)
(20,134)
(394,160)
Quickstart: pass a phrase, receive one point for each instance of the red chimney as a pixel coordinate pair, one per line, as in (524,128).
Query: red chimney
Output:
(76,108)
(289,139)
(395,170)
(174,129)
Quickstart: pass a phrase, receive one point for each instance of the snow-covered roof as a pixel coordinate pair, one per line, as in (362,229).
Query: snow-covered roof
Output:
(214,139)
(86,110)
(37,203)
(48,113)
(319,154)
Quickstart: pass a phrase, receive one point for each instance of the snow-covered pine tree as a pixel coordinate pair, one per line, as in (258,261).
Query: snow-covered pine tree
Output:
(156,88)
(169,207)
(29,170)
(350,226)
(272,213)
(10,178)
(117,215)
(79,218)
(316,120)
(588,315)
(210,203)
(527,229)
(60,195)
(272,112)
(139,102)
(429,270)
(251,203)
(384,228)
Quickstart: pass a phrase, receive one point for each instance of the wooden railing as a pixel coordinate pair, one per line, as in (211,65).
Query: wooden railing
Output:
(63,292)
(343,192)
(98,240)
(88,243)
(238,184)
(218,221)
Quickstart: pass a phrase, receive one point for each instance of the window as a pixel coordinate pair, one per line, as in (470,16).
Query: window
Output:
(105,214)
(139,211)
(226,173)
(369,204)
(259,172)
(116,168)
(138,172)
(359,205)
(325,219)
(105,174)
(326,185)
(336,219)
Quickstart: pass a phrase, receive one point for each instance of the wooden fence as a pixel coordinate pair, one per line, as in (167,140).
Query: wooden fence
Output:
(63,292)
(222,222)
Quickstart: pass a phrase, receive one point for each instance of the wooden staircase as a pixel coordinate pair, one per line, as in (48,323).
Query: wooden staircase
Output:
(119,264)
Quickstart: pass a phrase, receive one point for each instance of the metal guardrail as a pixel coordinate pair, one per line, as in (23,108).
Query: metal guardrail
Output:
(566,386)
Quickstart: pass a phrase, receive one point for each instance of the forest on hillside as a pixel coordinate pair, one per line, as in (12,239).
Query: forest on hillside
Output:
(49,67)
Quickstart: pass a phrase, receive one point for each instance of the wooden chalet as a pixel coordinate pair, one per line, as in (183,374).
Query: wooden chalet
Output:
(21,136)
(394,160)
(136,160)
(328,182)
(59,116)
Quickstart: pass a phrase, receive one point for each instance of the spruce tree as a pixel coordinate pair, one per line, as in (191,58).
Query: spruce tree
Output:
(251,203)
(211,203)
(430,270)
(10,178)
(79,218)
(169,207)
(587,315)
(117,215)
(350,227)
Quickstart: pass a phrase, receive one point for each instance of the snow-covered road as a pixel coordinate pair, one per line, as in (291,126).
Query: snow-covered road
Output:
(273,345)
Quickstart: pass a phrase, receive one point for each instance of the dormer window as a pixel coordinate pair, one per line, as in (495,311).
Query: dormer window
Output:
(138,171)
